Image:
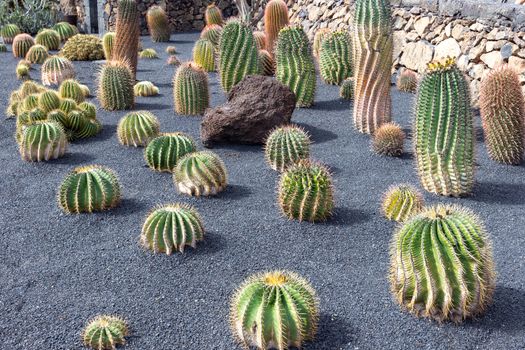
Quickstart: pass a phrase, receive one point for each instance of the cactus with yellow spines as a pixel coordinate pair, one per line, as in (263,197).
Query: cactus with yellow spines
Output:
(107,44)
(190,90)
(335,57)
(65,30)
(8,32)
(145,88)
(58,116)
(260,40)
(105,332)
(22,71)
(80,126)
(37,54)
(56,69)
(346,91)
(85,90)
(115,86)
(89,109)
(200,174)
(213,15)
(42,141)
(71,88)
(267,63)
(275,19)
(30,102)
(212,32)
(319,37)
(285,146)
(389,140)
(48,38)
(148,54)
(21,45)
(400,202)
(67,105)
(127,35)
(164,151)
(27,118)
(204,55)
(137,128)
(373,51)
(83,47)
(407,81)
(158,24)
(48,100)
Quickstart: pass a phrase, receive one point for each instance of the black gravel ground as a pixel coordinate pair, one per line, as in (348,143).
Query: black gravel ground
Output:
(58,270)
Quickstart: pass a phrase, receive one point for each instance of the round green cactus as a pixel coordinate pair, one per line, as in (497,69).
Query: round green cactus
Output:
(67,105)
(200,174)
(148,53)
(213,15)
(407,81)
(27,118)
(48,101)
(80,126)
(171,50)
(389,140)
(172,227)
(158,24)
(274,310)
(30,102)
(37,54)
(3,48)
(85,90)
(58,116)
(30,87)
(48,38)
(442,265)
(65,30)
(89,109)
(83,47)
(204,55)
(164,152)
(137,128)
(212,33)
(71,88)
(145,88)
(21,44)
(107,44)
(173,61)
(88,189)
(42,141)
(115,88)
(335,57)
(267,63)
(8,32)
(190,90)
(105,332)
(56,69)
(400,202)
(306,192)
(22,71)
(285,146)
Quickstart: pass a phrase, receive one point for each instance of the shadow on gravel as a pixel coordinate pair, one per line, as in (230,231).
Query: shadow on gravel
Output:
(499,193)
(213,242)
(75,158)
(333,333)
(128,206)
(347,217)
(151,107)
(318,135)
(235,192)
(332,105)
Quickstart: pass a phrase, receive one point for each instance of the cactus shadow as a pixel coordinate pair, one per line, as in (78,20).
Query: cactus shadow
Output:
(152,106)
(75,158)
(344,216)
(334,333)
(332,105)
(213,242)
(129,206)
(318,135)
(499,193)
(235,192)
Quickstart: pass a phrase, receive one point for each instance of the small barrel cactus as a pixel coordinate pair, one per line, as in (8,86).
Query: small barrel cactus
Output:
(407,81)
(115,86)
(67,105)
(213,15)
(306,192)
(149,54)
(442,265)
(3,48)
(85,90)
(401,202)
(172,227)
(88,189)
(127,34)
(346,91)
(145,88)
(80,126)
(30,102)
(171,50)
(267,63)
(48,38)
(58,116)
(275,19)
(21,44)
(105,332)
(285,146)
(83,47)
(8,32)
(49,100)
(158,24)
(200,174)
(389,140)
(260,40)
(56,69)
(173,61)
(203,55)
(107,44)
(37,54)
(43,141)
(89,109)
(335,57)
(190,90)
(22,71)
(137,128)
(65,30)
(212,33)
(70,88)
(164,152)
(319,37)
(274,310)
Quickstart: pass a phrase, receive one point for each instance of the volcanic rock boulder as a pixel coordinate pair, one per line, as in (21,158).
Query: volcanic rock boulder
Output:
(255,106)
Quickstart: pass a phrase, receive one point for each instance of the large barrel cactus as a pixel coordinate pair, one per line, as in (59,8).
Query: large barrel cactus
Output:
(8,33)
(442,265)
(42,141)
(48,38)
(56,69)
(105,332)
(275,19)
(65,30)
(373,51)
(335,57)
(190,90)
(115,87)
(400,202)
(285,146)
(37,54)
(164,151)
(137,128)
(200,174)
(127,33)
(71,88)
(443,131)
(295,64)
(158,24)
(21,45)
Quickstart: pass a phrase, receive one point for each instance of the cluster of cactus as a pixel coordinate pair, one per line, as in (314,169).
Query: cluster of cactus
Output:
(346,91)
(295,64)
(56,69)
(72,89)
(105,332)
(21,44)
(22,70)
(212,33)
(389,140)
(48,38)
(274,310)
(173,61)
(444,136)
(145,88)
(127,33)
(42,141)
(107,44)
(451,276)
(260,40)
(37,54)
(65,30)
(502,108)
(190,90)
(17,97)
(83,47)
(88,189)
(115,87)
(164,152)
(204,55)
(335,57)
(306,192)
(77,123)
(171,227)
(285,146)
(267,63)
(200,174)
(400,202)
(138,128)
(213,15)
(319,37)
(25,119)
(49,100)
(407,81)
(373,50)
(275,19)
(149,54)
(158,24)
(8,32)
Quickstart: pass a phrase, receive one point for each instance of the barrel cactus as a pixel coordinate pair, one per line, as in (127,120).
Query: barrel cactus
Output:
(407,81)
(56,69)
(373,51)
(200,174)
(145,88)
(203,55)
(173,61)
(37,54)
(80,126)
(3,48)
(8,32)
(70,88)
(285,146)
(400,202)
(274,310)
(213,15)
(115,86)
(275,19)
(306,192)
(48,38)
(149,54)
(164,152)
(89,109)
(137,128)
(267,63)
(65,30)
(260,40)
(346,91)
(22,71)
(171,50)
(21,44)
(190,90)
(295,64)
(319,37)
(85,90)
(48,101)
(444,136)
(442,265)
(389,140)
(58,116)
(30,102)
(335,57)
(105,332)
(43,141)
(83,47)
(172,227)
(107,44)
(503,115)
(158,24)
(212,33)
(88,189)
(67,105)
(126,42)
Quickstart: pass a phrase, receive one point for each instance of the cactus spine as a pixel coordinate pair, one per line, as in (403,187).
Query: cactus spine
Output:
(275,19)
(42,141)
(57,69)
(105,332)
(145,88)
(8,33)
(213,15)
(158,24)
(401,202)
(37,54)
(48,101)
(190,90)
(137,128)
(335,59)
(107,44)
(115,88)
(48,38)
(21,45)
(203,55)
(200,173)
(389,140)
(164,151)
(126,43)
(407,81)
(211,32)
(373,50)
(286,146)
(443,131)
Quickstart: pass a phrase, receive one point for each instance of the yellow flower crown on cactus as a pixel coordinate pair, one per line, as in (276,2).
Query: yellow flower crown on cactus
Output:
(441,64)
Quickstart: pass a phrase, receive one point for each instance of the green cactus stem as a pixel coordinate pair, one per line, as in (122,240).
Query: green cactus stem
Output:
(212,33)
(105,332)
(137,128)
(89,109)
(190,90)
(145,88)
(400,202)
(37,54)
(213,15)
(71,88)
(48,101)
(319,37)
(335,57)
(204,55)
(107,44)
(158,24)
(65,30)
(164,152)
(275,19)
(200,174)
(8,32)
(285,146)
(115,86)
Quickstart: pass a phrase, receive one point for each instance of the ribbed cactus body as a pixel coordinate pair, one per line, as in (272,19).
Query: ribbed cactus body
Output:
(27,118)
(22,71)
(21,44)
(238,56)
(286,146)
(88,189)
(115,87)
(105,332)
(319,37)
(126,42)
(346,91)
(200,174)
(407,81)
(502,107)
(80,126)
(145,88)
(260,40)
(56,69)
(89,109)
(203,55)
(401,202)
(48,101)
(8,33)
(335,58)
(442,265)
(149,54)
(83,47)
(212,32)
(59,117)
(213,15)
(275,19)
(67,105)
(389,140)
(164,151)
(30,102)
(85,90)
(65,30)
(158,24)
(172,227)
(42,141)
(267,63)
(373,51)
(70,88)
(295,64)
(274,310)
(107,44)
(137,128)
(443,131)
(37,54)
(190,90)
(48,38)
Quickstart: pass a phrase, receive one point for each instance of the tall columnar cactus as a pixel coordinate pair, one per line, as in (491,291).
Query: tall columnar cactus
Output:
(190,90)
(407,81)
(42,141)
(107,44)
(200,174)
(373,51)
(285,146)
(172,227)
(346,91)
(48,101)
(8,33)
(137,128)
(442,265)
(70,88)
(444,132)
(274,310)
(88,189)
(306,192)
(503,115)
(212,32)
(213,15)
(275,19)
(319,37)
(267,63)
(164,151)
(105,332)
(48,38)
(115,86)
(37,54)
(145,88)
(389,140)
(21,44)
(158,24)
(400,202)
(65,30)
(56,69)
(204,55)
(295,64)
(335,58)
(126,43)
